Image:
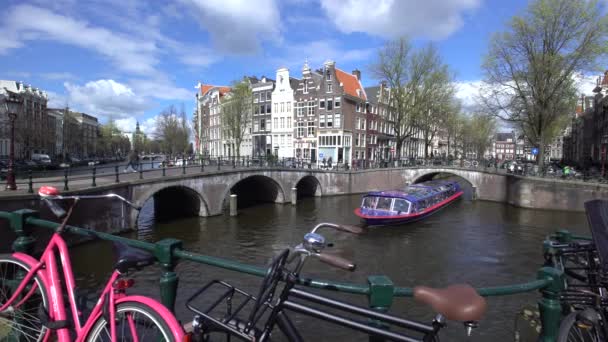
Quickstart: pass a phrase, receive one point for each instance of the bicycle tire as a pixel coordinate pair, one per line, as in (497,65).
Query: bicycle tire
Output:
(100,330)
(569,331)
(36,331)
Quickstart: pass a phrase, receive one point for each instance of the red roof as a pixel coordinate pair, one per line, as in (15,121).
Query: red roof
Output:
(350,83)
(206,87)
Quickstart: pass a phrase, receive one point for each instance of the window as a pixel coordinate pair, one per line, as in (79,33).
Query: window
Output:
(322,103)
(322,120)
(289,107)
(299,109)
(262,109)
(282,122)
(255,126)
(311,129)
(305,87)
(256,110)
(268,96)
(311,108)
(337,102)
(276,123)
(282,107)
(329,120)
(357,140)
(268,108)
(358,107)
(330,104)
(262,125)
(328,76)
(329,88)
(363,122)
(300,130)
(346,141)
(256,98)
(276,107)
(282,140)
(357,123)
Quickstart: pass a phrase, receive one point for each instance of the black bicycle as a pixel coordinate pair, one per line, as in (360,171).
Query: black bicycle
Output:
(222,308)
(584,296)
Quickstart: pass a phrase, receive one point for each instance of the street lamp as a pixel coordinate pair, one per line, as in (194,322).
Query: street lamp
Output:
(12,105)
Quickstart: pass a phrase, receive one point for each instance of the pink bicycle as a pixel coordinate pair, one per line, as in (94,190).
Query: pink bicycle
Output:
(32,305)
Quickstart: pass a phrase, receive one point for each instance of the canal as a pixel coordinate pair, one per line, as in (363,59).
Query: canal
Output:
(481,243)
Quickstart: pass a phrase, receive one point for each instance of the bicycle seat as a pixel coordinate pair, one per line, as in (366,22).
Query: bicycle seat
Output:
(131,258)
(456,302)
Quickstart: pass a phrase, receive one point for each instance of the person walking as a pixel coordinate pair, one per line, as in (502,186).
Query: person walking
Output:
(133,161)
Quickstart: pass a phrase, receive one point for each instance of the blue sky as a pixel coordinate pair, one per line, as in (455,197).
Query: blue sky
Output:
(129,59)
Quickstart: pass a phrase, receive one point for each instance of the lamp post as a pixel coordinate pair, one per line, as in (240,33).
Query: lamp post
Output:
(12,106)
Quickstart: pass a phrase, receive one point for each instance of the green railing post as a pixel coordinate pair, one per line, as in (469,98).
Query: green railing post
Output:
(116,174)
(549,305)
(25,240)
(169,280)
(65,180)
(381,291)
(94,174)
(202,164)
(164,170)
(30,183)
(141,171)
(218,163)
(183,166)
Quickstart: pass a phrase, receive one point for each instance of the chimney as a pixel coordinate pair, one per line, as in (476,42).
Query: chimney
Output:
(357,73)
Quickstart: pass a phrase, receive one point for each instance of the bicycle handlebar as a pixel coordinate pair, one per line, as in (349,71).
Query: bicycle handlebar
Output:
(336,261)
(343,227)
(46,193)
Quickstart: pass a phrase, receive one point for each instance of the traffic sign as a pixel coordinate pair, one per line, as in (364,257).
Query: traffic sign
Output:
(320,155)
(535,150)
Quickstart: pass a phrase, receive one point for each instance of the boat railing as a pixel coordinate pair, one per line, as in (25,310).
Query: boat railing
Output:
(379,289)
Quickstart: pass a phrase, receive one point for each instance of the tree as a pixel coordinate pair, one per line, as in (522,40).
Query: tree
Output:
(409,75)
(479,131)
(172,131)
(236,114)
(452,123)
(530,68)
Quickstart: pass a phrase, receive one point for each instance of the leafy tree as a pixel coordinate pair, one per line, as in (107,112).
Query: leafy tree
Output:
(172,131)
(530,68)
(236,115)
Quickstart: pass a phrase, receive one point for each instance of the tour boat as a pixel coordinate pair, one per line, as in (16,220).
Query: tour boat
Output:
(412,203)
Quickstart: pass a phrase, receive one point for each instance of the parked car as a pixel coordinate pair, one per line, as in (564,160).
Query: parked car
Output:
(40,158)
(181,162)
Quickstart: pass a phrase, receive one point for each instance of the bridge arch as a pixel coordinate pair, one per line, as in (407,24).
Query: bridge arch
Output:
(255,189)
(308,186)
(469,185)
(173,201)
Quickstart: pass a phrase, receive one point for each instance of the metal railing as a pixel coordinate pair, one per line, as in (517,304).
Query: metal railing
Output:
(380,290)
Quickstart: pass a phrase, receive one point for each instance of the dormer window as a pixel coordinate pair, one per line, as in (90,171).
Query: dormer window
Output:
(305,87)
(328,76)
(329,88)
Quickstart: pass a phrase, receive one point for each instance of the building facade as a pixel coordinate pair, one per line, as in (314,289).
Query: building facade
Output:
(282,118)
(380,121)
(208,104)
(34,129)
(505,146)
(261,137)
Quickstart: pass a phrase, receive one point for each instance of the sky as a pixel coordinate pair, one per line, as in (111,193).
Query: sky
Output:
(129,59)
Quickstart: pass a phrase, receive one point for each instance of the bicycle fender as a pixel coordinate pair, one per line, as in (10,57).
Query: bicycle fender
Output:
(168,317)
(31,262)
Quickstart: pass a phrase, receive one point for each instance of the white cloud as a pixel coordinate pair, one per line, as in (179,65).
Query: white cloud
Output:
(147,126)
(106,98)
(435,19)
(161,88)
(26,22)
(237,26)
(56,100)
(467,92)
(58,76)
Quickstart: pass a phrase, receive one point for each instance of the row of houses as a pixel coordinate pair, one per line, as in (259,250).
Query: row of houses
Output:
(586,138)
(325,114)
(38,129)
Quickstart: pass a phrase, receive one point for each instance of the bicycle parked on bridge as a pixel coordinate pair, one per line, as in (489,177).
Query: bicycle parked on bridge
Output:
(253,318)
(584,296)
(32,305)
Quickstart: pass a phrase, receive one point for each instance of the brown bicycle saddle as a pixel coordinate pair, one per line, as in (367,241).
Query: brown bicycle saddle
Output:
(459,302)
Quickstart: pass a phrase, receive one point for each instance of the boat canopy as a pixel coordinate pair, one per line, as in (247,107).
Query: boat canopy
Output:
(417,192)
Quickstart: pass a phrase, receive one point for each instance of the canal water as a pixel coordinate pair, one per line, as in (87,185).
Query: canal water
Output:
(475,242)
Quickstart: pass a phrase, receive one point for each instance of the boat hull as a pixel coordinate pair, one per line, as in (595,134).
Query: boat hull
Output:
(371,220)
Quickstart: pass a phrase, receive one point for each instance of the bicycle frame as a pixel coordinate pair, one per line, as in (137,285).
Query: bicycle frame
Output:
(48,272)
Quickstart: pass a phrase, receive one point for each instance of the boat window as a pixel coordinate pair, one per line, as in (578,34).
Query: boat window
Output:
(369,202)
(401,206)
(384,203)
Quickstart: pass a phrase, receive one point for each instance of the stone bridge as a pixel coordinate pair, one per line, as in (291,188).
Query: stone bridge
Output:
(207,193)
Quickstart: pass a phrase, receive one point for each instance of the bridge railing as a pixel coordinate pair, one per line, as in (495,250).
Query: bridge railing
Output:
(379,290)
(102,175)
